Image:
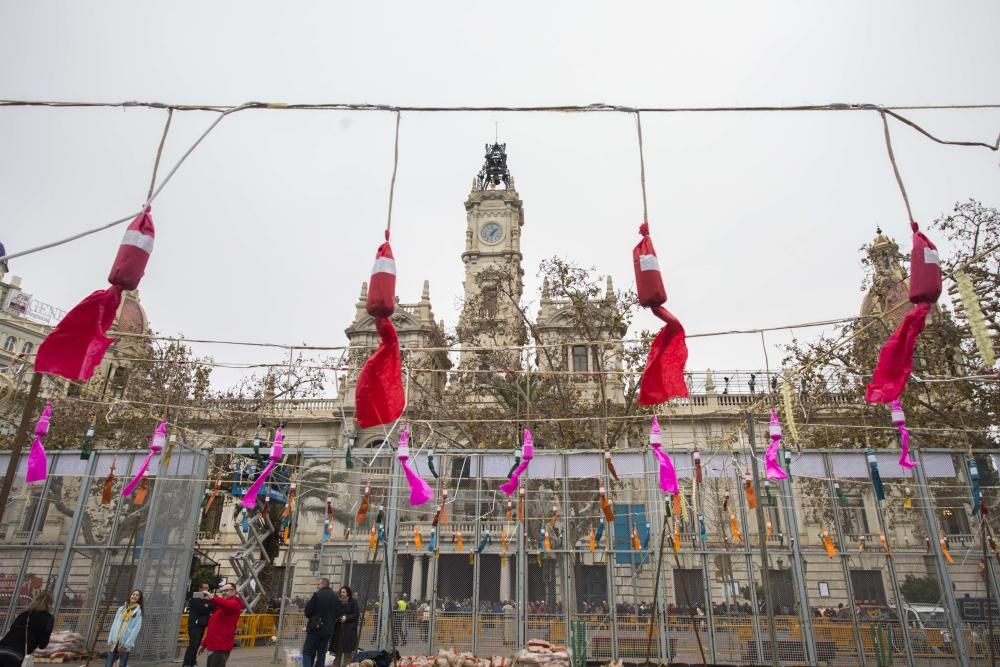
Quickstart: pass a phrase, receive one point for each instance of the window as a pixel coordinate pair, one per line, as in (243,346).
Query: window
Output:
(27,348)
(118,381)
(489,302)
(629,518)
(868,586)
(591,585)
(211,519)
(689,587)
(953,519)
(580,359)
(853,517)
(9,344)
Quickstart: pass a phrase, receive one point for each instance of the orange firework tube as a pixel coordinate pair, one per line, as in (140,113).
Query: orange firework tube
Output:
(372,539)
(555,515)
(510,510)
(109,483)
(215,492)
(944,550)
(636,544)
(363,509)
(828,543)
(677,537)
(520,505)
(748,489)
(769,528)
(593,541)
(736,530)
(885,544)
(678,509)
(461,548)
(545,534)
(609,514)
(417,540)
(503,538)
(140,494)
(444,502)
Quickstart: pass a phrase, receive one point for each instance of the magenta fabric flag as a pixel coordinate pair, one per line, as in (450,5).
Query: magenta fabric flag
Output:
(38,464)
(899,421)
(668,475)
(774,470)
(250,498)
(420,491)
(510,486)
(156,444)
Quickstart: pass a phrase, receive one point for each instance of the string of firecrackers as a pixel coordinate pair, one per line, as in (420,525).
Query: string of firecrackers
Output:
(976,319)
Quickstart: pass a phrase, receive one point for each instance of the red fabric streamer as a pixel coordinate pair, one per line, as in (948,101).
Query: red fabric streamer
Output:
(379,395)
(663,377)
(895,361)
(76,346)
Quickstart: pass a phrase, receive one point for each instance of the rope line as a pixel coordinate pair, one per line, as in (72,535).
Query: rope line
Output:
(224,110)
(642,167)
(895,167)
(597,107)
(149,199)
(392,183)
(159,153)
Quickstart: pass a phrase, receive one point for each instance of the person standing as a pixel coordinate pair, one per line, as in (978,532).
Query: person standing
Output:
(125,630)
(199,612)
(346,634)
(321,611)
(30,630)
(220,633)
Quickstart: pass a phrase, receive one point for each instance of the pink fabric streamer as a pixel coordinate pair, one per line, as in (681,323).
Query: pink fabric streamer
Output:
(250,498)
(899,421)
(668,475)
(420,491)
(774,470)
(155,447)
(510,486)
(38,465)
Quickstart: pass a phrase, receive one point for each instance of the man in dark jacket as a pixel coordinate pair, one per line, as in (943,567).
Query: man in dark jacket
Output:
(321,612)
(198,613)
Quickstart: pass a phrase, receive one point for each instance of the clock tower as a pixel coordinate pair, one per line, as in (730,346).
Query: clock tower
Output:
(494,278)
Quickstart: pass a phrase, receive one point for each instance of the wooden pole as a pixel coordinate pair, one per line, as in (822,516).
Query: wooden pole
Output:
(20,439)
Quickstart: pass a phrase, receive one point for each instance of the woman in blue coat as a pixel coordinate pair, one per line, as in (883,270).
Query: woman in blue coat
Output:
(125,630)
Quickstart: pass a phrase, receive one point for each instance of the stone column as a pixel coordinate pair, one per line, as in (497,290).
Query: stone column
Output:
(417,578)
(505,589)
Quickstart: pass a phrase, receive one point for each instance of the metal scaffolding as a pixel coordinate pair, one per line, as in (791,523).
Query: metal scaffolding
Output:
(58,535)
(770,592)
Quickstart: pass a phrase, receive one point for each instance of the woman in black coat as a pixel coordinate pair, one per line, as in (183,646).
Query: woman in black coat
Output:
(345,635)
(31,630)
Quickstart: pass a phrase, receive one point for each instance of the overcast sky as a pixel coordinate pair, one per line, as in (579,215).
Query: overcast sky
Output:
(267,231)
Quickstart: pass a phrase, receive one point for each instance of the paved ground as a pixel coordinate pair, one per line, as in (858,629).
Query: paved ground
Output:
(240,657)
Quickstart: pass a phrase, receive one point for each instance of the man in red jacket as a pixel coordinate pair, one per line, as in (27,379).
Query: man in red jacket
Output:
(221,630)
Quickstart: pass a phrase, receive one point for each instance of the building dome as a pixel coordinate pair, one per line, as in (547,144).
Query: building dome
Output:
(131,317)
(889,294)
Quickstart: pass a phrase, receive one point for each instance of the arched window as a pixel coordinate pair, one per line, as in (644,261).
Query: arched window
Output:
(9,344)
(28,347)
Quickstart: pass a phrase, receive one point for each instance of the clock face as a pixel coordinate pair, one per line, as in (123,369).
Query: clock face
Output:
(491,233)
